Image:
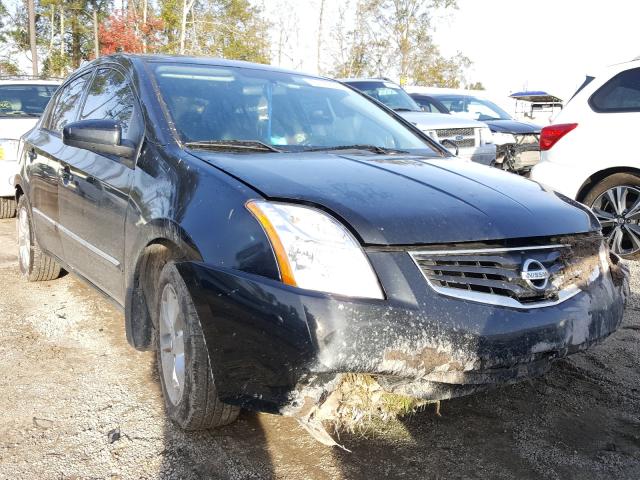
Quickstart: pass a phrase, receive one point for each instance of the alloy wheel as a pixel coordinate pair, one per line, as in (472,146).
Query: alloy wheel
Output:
(24,239)
(618,211)
(172,344)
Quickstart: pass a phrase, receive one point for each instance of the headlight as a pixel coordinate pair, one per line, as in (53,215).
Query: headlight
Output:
(314,251)
(8,149)
(485,136)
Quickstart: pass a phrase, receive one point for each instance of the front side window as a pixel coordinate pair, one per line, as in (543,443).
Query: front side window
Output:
(473,107)
(24,100)
(288,111)
(110,97)
(67,103)
(620,94)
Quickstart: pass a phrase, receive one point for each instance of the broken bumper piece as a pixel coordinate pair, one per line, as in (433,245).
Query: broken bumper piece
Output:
(281,349)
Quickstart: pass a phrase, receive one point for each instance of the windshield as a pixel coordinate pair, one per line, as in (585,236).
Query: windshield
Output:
(388,94)
(473,107)
(24,100)
(221,105)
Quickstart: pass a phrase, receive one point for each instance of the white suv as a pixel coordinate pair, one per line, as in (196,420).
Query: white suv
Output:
(588,155)
(21,104)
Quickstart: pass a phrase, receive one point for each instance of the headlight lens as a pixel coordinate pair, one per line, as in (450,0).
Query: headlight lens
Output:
(8,149)
(316,252)
(485,136)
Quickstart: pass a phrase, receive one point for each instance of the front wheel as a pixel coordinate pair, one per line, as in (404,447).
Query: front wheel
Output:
(616,203)
(183,360)
(35,265)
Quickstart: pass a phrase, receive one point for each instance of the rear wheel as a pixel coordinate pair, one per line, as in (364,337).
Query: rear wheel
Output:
(616,202)
(183,360)
(35,265)
(7,207)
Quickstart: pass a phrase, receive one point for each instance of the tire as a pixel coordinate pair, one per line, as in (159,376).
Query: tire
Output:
(7,207)
(192,402)
(35,265)
(616,211)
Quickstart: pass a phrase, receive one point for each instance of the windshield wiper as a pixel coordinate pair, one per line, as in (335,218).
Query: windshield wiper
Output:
(371,148)
(254,145)
(404,109)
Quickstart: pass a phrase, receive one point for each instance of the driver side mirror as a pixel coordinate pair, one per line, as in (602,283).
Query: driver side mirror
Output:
(99,136)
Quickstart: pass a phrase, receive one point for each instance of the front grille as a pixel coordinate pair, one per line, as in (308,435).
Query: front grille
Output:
(495,275)
(462,137)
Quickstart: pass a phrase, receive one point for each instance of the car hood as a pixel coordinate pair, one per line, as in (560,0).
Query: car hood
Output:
(431,121)
(512,126)
(15,127)
(389,200)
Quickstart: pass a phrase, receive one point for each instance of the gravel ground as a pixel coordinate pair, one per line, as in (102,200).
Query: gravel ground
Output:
(78,402)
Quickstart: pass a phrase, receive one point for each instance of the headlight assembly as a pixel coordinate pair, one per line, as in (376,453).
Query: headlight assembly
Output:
(314,251)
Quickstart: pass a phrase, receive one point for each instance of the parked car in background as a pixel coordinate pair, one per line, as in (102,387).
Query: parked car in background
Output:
(517,142)
(586,154)
(267,231)
(22,101)
(470,139)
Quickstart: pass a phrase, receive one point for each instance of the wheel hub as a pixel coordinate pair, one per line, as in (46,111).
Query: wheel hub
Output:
(24,239)
(618,211)
(171,326)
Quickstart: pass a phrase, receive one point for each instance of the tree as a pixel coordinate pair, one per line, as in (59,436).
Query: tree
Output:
(394,38)
(123,31)
(7,67)
(475,86)
(224,28)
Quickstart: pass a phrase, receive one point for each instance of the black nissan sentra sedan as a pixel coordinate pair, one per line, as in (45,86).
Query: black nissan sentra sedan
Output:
(266,231)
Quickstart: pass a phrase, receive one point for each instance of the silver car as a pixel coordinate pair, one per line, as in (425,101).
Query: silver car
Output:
(470,139)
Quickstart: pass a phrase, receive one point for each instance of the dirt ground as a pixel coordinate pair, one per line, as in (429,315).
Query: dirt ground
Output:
(70,382)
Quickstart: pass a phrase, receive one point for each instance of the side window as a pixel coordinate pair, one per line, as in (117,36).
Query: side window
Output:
(67,104)
(110,97)
(620,94)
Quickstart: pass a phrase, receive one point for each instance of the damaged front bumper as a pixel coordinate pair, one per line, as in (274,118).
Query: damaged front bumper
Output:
(278,349)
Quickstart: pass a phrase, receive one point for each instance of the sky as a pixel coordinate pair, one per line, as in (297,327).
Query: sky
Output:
(514,44)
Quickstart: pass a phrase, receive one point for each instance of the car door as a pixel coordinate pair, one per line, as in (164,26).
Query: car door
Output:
(43,153)
(94,191)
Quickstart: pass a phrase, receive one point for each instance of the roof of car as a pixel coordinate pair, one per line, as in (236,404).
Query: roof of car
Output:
(362,80)
(184,59)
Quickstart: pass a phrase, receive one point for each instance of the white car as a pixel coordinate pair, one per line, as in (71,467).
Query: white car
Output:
(587,154)
(472,140)
(21,104)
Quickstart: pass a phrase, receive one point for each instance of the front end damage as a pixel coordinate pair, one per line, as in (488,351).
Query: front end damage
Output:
(284,350)
(517,153)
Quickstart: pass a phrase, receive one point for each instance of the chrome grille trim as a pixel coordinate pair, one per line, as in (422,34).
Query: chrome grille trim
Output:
(452,132)
(471,270)
(469,137)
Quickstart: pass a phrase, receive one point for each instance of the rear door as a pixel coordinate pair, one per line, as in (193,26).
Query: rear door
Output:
(95,190)
(43,153)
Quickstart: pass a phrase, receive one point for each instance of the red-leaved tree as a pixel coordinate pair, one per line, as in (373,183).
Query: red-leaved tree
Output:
(123,32)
